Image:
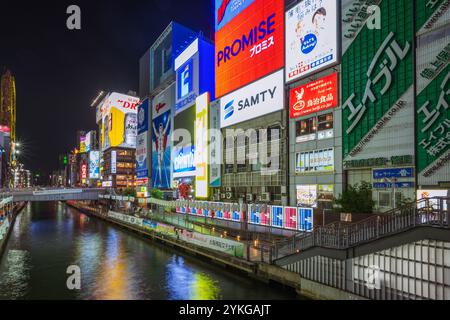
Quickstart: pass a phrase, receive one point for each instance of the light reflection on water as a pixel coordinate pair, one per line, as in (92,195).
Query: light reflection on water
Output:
(115,265)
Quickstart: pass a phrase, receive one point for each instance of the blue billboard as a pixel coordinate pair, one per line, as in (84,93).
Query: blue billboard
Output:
(277,216)
(393,173)
(305,219)
(143,111)
(161,151)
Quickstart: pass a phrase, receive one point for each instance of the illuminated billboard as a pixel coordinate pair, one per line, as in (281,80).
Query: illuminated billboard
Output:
(311,37)
(83,144)
(184,149)
(88,141)
(194,74)
(94,165)
(314,97)
(257,99)
(119,125)
(141,156)
(161,150)
(250,45)
(201,146)
(227,10)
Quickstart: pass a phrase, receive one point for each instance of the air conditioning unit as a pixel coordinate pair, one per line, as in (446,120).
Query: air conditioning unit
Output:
(229,195)
(223,196)
(259,198)
(216,197)
(249,197)
(228,189)
(265,197)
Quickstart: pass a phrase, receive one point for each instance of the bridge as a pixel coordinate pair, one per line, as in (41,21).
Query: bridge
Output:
(47,195)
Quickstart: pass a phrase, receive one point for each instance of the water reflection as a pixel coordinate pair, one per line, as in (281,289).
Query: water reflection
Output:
(184,283)
(115,265)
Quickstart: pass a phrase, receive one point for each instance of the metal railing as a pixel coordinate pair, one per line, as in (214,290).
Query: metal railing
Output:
(427,212)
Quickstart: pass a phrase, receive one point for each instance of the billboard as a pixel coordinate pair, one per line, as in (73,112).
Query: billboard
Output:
(315,96)
(194,74)
(94,165)
(257,99)
(141,156)
(119,125)
(201,146)
(143,117)
(83,144)
(307,196)
(249,42)
(161,150)
(114,162)
(377,81)
(311,37)
(88,141)
(432,107)
(215,155)
(227,10)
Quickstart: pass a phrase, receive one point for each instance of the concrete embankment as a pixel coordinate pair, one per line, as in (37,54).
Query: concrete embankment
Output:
(12,219)
(259,271)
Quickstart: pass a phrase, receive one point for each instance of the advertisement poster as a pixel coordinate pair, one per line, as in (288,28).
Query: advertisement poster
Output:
(306,219)
(250,45)
(202,146)
(432,107)
(184,148)
(88,141)
(277,216)
(143,116)
(114,162)
(227,10)
(161,151)
(215,155)
(120,123)
(141,156)
(254,214)
(377,81)
(94,165)
(83,144)
(311,37)
(315,96)
(290,218)
(255,100)
(307,196)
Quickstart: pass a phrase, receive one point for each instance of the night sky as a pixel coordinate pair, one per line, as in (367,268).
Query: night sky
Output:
(58,72)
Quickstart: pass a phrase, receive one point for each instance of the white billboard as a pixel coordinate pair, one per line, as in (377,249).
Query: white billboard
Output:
(113,162)
(94,165)
(88,141)
(163,102)
(201,146)
(255,100)
(119,125)
(311,37)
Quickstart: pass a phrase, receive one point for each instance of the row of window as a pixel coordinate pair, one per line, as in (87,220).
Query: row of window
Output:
(315,128)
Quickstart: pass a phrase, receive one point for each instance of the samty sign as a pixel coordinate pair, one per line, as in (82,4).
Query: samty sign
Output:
(314,96)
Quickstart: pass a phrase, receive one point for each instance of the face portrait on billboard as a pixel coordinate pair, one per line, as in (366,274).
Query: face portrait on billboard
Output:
(319,20)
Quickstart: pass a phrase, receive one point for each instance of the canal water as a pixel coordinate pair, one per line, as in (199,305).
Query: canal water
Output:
(115,265)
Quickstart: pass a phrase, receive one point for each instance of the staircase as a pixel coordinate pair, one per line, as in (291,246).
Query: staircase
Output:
(431,212)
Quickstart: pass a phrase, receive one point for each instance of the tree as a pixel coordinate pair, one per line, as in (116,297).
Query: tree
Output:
(129,192)
(157,194)
(356,199)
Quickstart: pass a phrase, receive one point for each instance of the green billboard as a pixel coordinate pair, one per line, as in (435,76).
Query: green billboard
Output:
(378,78)
(433,91)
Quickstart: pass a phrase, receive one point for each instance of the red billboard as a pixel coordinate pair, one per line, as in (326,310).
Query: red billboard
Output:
(250,46)
(314,96)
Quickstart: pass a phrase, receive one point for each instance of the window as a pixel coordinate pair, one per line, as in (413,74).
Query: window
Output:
(384,199)
(320,127)
(315,161)
(306,129)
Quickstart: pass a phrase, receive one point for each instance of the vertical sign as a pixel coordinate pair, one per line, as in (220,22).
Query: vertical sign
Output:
(201,146)
(113,162)
(290,218)
(277,216)
(311,37)
(305,219)
(215,156)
